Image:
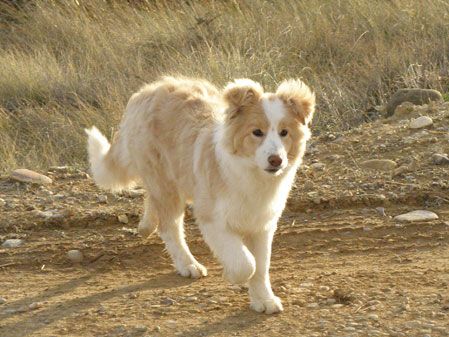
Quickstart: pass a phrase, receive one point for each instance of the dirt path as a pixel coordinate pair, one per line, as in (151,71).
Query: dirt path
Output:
(340,266)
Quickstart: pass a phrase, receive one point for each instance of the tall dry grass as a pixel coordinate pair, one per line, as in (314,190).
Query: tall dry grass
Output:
(67,66)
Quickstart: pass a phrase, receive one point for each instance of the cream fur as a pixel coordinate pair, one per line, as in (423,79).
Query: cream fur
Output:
(189,142)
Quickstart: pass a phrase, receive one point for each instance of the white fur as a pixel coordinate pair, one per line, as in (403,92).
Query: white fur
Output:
(272,145)
(98,147)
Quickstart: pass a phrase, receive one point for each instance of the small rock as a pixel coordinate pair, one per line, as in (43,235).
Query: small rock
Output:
(421,122)
(168,301)
(312,305)
(2,300)
(61,169)
(2,202)
(317,166)
(381,211)
(419,215)
(35,305)
(28,176)
(123,218)
(50,214)
(437,159)
(191,299)
(171,323)
(102,198)
(141,328)
(416,96)
(12,243)
(324,288)
(373,317)
(337,306)
(331,301)
(379,164)
(134,193)
(75,256)
(306,285)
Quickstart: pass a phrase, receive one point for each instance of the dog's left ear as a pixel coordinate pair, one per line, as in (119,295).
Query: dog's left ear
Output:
(299,98)
(240,94)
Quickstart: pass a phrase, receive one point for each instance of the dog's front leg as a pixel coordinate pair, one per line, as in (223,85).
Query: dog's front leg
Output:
(238,262)
(260,292)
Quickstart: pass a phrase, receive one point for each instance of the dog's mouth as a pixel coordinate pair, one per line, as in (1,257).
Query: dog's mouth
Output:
(273,170)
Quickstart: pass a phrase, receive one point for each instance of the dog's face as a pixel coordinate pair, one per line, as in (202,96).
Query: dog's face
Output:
(268,129)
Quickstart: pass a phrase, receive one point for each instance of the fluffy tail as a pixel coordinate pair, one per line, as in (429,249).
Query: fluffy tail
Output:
(108,165)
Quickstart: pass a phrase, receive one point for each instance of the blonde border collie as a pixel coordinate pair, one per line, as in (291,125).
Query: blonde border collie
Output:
(233,153)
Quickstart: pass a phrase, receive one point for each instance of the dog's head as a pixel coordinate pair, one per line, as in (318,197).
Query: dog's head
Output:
(269,129)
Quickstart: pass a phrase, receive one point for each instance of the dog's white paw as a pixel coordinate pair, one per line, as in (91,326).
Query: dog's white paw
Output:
(194,270)
(269,306)
(146,229)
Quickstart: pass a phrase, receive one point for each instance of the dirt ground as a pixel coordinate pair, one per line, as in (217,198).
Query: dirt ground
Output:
(342,265)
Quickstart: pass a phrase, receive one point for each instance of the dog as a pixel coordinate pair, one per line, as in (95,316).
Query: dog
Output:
(233,153)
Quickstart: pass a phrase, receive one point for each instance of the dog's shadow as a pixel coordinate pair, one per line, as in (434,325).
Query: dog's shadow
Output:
(31,324)
(240,320)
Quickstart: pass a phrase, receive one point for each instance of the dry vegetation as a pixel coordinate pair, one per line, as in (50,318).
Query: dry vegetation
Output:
(65,67)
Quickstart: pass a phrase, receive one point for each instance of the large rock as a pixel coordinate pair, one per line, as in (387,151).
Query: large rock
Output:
(379,164)
(28,176)
(419,215)
(12,243)
(415,96)
(421,122)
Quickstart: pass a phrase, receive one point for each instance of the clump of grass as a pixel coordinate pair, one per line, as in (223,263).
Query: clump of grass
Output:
(65,66)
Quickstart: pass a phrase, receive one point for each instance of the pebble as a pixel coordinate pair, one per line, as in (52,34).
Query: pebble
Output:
(168,301)
(123,218)
(421,122)
(75,256)
(381,211)
(171,323)
(2,202)
(373,317)
(28,176)
(318,166)
(437,159)
(35,305)
(337,306)
(379,164)
(419,215)
(312,305)
(306,285)
(50,214)
(331,301)
(12,243)
(135,193)
(2,300)
(191,299)
(102,198)
(324,288)
(141,328)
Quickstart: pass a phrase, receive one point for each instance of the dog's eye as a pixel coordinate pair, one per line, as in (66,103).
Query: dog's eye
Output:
(258,133)
(283,133)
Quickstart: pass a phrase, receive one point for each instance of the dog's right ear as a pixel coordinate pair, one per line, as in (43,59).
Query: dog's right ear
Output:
(241,93)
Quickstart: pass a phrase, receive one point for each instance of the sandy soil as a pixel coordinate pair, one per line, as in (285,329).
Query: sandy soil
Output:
(341,263)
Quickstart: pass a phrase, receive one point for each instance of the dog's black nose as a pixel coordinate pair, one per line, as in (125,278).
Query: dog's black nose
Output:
(275,160)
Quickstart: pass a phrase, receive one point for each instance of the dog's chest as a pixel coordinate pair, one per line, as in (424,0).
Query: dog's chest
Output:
(251,213)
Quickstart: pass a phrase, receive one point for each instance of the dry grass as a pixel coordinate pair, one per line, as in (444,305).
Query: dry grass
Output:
(65,67)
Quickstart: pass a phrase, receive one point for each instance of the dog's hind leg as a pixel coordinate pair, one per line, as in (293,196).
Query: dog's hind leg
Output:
(149,222)
(169,207)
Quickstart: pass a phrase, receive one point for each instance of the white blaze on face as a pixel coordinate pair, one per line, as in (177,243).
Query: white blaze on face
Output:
(272,145)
